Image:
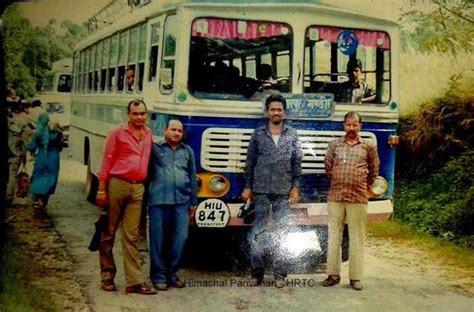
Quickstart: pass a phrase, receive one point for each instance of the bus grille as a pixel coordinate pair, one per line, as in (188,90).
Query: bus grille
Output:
(225,149)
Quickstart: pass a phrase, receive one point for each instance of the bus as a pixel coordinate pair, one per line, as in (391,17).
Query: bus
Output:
(199,62)
(55,95)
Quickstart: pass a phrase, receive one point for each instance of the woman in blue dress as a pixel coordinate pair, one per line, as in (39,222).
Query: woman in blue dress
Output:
(47,143)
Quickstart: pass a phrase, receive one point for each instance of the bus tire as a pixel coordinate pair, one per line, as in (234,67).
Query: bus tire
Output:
(92,185)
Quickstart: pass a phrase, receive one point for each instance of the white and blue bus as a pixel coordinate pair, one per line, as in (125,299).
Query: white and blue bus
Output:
(199,62)
(55,94)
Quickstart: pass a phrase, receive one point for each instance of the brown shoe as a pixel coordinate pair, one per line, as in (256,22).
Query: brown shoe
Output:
(356,285)
(280,282)
(142,289)
(108,285)
(177,284)
(331,280)
(254,282)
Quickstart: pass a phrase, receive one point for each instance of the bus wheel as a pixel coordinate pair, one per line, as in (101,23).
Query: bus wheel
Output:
(92,185)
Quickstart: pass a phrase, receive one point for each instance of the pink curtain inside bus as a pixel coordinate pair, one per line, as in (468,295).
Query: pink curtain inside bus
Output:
(375,39)
(235,29)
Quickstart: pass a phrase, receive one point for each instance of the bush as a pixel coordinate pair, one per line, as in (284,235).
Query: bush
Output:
(441,204)
(438,132)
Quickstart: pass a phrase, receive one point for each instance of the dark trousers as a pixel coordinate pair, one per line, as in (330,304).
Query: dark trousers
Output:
(168,234)
(265,238)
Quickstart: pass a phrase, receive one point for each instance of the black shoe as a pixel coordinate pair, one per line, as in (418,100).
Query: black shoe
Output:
(280,282)
(177,284)
(254,282)
(331,280)
(108,285)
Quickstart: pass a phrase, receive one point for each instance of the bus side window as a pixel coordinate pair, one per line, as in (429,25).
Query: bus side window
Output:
(121,77)
(112,62)
(141,71)
(122,59)
(141,58)
(154,47)
(131,71)
(105,61)
(168,58)
(98,60)
(111,82)
(64,84)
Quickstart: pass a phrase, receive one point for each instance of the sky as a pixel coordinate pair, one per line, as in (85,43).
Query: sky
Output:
(77,11)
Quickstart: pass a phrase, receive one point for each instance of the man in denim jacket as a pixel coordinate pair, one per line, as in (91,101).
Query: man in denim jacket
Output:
(173,192)
(272,181)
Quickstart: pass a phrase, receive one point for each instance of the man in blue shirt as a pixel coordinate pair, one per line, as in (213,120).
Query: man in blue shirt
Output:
(272,181)
(172,193)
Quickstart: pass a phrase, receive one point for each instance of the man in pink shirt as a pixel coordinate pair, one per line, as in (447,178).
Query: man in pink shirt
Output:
(124,169)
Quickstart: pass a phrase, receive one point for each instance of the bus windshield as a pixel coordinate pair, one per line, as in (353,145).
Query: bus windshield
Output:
(333,54)
(64,83)
(239,59)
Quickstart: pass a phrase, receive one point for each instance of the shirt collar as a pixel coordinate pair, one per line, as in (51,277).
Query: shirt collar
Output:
(130,129)
(164,142)
(358,141)
(283,130)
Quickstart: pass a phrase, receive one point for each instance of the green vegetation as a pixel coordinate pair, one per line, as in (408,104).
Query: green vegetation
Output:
(445,26)
(16,293)
(436,45)
(435,190)
(30,51)
(442,203)
(435,171)
(437,132)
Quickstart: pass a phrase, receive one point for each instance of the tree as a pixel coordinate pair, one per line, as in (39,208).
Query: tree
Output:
(17,33)
(30,51)
(447,27)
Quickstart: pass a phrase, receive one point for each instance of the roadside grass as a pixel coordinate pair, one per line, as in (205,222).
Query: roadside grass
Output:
(439,249)
(16,293)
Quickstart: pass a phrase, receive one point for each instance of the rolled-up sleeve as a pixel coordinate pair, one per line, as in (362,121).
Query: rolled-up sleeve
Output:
(108,158)
(373,163)
(329,158)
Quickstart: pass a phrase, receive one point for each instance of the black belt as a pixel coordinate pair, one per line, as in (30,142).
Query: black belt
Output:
(128,180)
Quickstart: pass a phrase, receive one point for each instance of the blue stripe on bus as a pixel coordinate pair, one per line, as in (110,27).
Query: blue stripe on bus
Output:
(315,185)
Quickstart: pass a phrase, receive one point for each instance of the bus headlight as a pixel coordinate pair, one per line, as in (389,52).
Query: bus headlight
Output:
(212,184)
(217,184)
(378,187)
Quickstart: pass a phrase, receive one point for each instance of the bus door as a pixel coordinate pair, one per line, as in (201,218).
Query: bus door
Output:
(162,50)
(154,46)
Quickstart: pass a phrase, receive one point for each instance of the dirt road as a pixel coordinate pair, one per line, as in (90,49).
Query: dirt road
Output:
(395,279)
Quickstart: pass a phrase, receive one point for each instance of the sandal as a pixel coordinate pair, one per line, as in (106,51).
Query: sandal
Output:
(331,280)
(142,289)
(108,285)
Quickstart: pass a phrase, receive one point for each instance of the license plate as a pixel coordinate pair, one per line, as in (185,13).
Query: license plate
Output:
(213,213)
